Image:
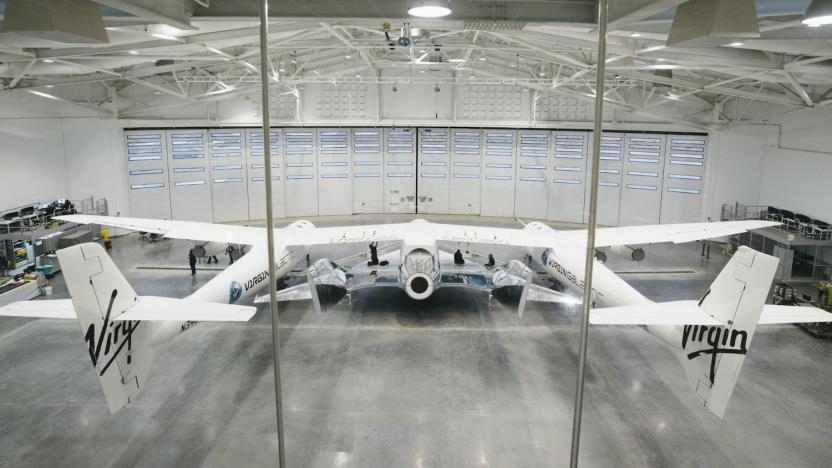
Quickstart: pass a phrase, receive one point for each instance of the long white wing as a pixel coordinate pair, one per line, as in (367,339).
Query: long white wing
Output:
(190,230)
(343,234)
(54,308)
(676,233)
(166,308)
(418,232)
(773,314)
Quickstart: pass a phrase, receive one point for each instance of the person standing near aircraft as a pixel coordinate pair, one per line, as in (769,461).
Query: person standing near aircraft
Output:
(373,254)
(192,261)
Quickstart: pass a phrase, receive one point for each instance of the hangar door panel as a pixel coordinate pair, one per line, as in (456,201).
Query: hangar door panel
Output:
(641,195)
(568,187)
(334,185)
(190,188)
(399,170)
(531,197)
(684,171)
(609,178)
(147,166)
(433,189)
(498,173)
(466,160)
(257,175)
(229,185)
(301,171)
(367,186)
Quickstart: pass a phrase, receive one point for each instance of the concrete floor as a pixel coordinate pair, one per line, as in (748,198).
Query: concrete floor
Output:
(385,382)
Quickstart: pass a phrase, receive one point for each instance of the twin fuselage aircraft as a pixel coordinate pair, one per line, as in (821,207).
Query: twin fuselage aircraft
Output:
(125,332)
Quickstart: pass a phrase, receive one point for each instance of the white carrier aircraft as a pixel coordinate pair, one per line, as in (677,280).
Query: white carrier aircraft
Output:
(124,332)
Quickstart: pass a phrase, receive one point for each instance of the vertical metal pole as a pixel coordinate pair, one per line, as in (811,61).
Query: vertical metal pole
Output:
(264,110)
(590,231)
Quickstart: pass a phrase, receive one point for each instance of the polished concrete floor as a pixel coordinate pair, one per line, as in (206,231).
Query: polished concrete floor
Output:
(454,381)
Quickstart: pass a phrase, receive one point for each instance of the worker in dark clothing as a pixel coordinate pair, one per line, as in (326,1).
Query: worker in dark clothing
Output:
(491,261)
(373,254)
(458,260)
(192,261)
(230,251)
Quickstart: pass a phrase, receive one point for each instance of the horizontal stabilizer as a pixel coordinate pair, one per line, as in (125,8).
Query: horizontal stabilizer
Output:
(55,308)
(154,308)
(773,314)
(658,313)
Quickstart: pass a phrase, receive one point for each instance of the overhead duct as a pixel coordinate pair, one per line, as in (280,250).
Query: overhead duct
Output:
(709,23)
(68,21)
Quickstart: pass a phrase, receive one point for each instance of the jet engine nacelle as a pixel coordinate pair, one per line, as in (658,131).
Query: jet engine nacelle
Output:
(418,274)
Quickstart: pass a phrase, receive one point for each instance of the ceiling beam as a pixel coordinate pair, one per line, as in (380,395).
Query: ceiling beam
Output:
(798,89)
(193,39)
(341,37)
(692,85)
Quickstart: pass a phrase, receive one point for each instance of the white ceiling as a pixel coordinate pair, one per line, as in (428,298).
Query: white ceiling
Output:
(789,66)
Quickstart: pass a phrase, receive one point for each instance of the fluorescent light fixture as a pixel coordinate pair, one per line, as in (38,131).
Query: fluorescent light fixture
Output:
(429,8)
(50,86)
(736,44)
(672,96)
(133,52)
(457,60)
(664,66)
(45,95)
(348,57)
(635,34)
(166,37)
(281,69)
(483,59)
(661,59)
(157,92)
(48,61)
(819,13)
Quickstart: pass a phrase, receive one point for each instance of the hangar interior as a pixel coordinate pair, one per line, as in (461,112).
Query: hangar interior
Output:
(713,110)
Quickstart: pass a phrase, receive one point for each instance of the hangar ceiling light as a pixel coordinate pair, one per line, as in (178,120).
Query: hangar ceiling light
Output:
(818,13)
(429,8)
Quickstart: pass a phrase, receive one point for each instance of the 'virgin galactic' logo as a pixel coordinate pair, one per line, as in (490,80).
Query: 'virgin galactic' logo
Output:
(106,344)
(719,340)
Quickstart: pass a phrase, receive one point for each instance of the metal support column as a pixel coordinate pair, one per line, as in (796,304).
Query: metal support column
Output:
(590,231)
(265,77)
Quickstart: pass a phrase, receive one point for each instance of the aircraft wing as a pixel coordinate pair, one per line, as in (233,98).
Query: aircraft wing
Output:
(225,233)
(54,308)
(363,234)
(429,232)
(655,234)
